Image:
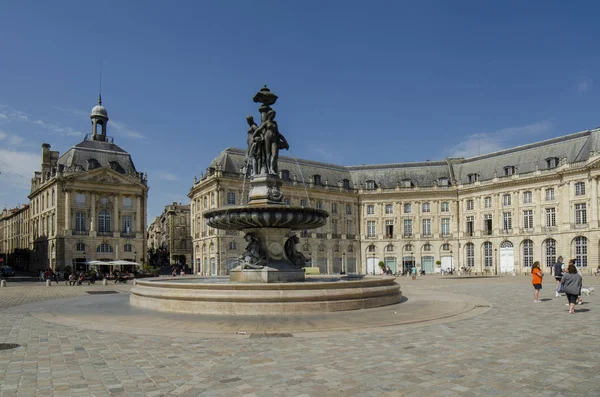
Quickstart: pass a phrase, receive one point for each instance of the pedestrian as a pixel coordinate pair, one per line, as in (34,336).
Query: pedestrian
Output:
(579,298)
(41,275)
(414,272)
(571,283)
(558,273)
(536,280)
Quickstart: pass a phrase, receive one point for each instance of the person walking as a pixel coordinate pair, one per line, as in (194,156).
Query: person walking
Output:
(414,272)
(571,283)
(536,280)
(558,273)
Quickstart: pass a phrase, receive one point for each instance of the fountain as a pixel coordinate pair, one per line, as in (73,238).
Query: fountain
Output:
(270,277)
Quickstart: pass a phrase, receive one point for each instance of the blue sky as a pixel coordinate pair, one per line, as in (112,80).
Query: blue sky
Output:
(359,82)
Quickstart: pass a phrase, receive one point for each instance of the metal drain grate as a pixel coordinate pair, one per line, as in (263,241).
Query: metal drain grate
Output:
(101,292)
(8,346)
(273,335)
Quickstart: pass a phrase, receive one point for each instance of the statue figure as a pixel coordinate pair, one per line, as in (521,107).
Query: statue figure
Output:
(273,141)
(255,153)
(297,258)
(254,257)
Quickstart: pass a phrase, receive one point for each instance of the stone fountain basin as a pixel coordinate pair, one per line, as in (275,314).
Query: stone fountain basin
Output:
(318,294)
(272,216)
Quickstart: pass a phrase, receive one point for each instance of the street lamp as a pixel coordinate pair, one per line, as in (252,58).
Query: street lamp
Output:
(135,256)
(343,263)
(495,261)
(451,263)
(373,263)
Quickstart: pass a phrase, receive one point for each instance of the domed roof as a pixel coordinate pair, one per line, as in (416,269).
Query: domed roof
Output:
(99,110)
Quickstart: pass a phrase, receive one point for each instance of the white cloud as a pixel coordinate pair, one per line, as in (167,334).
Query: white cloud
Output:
(11,140)
(166,176)
(9,114)
(17,169)
(583,86)
(126,131)
(487,142)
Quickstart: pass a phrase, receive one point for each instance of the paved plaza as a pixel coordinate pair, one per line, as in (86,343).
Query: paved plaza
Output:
(451,337)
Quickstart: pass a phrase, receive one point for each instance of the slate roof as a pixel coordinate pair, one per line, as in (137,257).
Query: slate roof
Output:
(106,154)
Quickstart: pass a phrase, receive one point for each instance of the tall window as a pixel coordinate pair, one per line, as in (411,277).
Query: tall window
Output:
(507,221)
(127,202)
(470,205)
(426,207)
(487,202)
(487,224)
(506,200)
(445,226)
(232,246)
(426,227)
(80,200)
(348,209)
(349,227)
(579,188)
(550,217)
(527,197)
(370,209)
(230,198)
(303,203)
(470,251)
(445,207)
(550,194)
(53,199)
(407,208)
(581,251)
(470,225)
(53,223)
(370,228)
(527,253)
(319,205)
(389,228)
(287,201)
(126,224)
(334,226)
(550,252)
(127,248)
(528,219)
(104,247)
(488,259)
(407,227)
(104,222)
(334,208)
(389,209)
(580,214)
(80,221)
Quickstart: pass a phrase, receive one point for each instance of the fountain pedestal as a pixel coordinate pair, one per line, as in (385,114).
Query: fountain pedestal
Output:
(265,189)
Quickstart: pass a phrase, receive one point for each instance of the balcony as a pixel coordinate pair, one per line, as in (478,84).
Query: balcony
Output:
(371,237)
(336,235)
(105,234)
(407,235)
(487,232)
(80,233)
(389,236)
(321,235)
(506,231)
(350,236)
(550,229)
(580,225)
(125,234)
(427,235)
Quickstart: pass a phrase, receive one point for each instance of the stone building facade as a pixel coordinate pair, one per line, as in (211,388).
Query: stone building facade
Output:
(171,230)
(14,236)
(89,203)
(494,213)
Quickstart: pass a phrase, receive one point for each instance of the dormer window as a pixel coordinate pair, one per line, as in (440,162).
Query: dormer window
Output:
(552,162)
(509,170)
(346,184)
(92,164)
(317,179)
(285,175)
(406,183)
(472,178)
(370,185)
(443,182)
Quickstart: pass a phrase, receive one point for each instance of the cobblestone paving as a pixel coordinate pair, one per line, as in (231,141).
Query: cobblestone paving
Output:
(517,348)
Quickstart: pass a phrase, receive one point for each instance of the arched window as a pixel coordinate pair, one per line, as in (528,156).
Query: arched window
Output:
(80,246)
(306,247)
(350,248)
(550,252)
(445,247)
(232,246)
(408,247)
(581,251)
(370,185)
(321,248)
(488,259)
(104,248)
(389,247)
(336,248)
(104,224)
(127,248)
(527,253)
(371,248)
(211,247)
(427,247)
(470,254)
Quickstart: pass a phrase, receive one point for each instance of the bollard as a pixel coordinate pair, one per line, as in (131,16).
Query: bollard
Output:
(48,283)
(103,281)
(3,283)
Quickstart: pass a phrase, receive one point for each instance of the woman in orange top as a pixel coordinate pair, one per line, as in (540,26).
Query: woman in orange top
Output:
(536,280)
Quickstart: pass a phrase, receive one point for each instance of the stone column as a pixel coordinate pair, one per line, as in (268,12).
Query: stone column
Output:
(139,215)
(93,214)
(565,206)
(116,227)
(67,212)
(594,203)
(539,215)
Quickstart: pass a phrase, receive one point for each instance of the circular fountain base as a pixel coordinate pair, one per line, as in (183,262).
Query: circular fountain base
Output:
(317,294)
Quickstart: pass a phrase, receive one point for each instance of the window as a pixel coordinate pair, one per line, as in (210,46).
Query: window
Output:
(370,209)
(508,171)
(287,201)
(426,227)
(470,205)
(579,188)
(80,200)
(549,194)
(506,200)
(580,214)
(334,226)
(319,205)
(104,225)
(348,209)
(550,252)
(53,199)
(127,202)
(488,259)
(408,247)
(470,225)
(426,207)
(303,203)
(80,221)
(230,198)
(126,224)
(104,248)
(527,197)
(350,248)
(336,248)
(552,162)
(550,217)
(407,208)
(427,247)
(407,227)
(528,219)
(334,208)
(472,178)
(389,228)
(317,179)
(581,251)
(389,247)
(370,228)
(389,208)
(371,248)
(470,254)
(285,175)
(445,226)
(52,221)
(127,248)
(406,183)
(443,182)
(527,253)
(212,199)
(506,221)
(232,246)
(487,202)
(370,185)
(350,228)
(487,224)
(445,247)
(445,207)
(346,184)
(80,247)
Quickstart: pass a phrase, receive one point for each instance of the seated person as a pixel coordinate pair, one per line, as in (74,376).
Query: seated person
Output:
(72,279)
(81,279)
